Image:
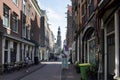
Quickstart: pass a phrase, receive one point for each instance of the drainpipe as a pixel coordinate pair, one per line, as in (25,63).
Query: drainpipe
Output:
(105,56)
(81,54)
(116,46)
(78,53)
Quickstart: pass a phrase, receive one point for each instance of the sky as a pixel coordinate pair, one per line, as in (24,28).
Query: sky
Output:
(56,10)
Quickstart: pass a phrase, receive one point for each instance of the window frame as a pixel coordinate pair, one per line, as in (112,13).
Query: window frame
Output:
(24,6)
(6,15)
(92,39)
(15,22)
(29,11)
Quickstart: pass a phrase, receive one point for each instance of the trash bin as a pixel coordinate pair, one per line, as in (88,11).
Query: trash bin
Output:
(83,68)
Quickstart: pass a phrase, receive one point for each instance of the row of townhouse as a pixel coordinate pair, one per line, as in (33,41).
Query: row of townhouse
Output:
(47,37)
(70,32)
(96,32)
(20,31)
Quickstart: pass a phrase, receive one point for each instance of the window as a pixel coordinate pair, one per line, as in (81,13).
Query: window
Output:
(29,12)
(5,56)
(24,30)
(28,33)
(110,44)
(92,7)
(6,44)
(91,51)
(15,1)
(15,22)
(24,6)
(110,27)
(6,14)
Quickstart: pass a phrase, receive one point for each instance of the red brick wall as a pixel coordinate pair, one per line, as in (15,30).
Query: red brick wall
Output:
(34,21)
(95,3)
(13,8)
(35,26)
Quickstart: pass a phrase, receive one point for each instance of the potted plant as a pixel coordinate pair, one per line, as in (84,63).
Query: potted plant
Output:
(92,72)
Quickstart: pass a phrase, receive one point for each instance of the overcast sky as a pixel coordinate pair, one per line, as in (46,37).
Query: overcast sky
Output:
(56,10)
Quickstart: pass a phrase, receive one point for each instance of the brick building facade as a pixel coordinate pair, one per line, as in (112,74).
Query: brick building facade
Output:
(96,35)
(19,24)
(69,36)
(45,35)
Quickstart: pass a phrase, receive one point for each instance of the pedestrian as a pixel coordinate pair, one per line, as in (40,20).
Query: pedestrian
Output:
(27,63)
(70,59)
(64,61)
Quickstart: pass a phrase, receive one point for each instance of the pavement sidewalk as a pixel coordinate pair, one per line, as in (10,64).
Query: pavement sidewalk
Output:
(17,75)
(70,73)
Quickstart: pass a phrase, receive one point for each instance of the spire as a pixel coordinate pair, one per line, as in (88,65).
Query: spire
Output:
(59,28)
(59,37)
(59,32)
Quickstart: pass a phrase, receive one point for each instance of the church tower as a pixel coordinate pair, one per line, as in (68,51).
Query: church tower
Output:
(59,38)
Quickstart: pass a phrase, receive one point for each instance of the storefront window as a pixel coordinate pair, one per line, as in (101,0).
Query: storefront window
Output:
(91,51)
(6,52)
(6,57)
(110,40)
(14,52)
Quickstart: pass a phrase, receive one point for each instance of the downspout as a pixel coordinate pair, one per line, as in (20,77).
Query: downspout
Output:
(101,53)
(105,56)
(81,47)
(117,75)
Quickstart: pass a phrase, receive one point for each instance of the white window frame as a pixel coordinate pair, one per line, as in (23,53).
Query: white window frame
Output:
(24,6)
(106,47)
(29,12)
(6,25)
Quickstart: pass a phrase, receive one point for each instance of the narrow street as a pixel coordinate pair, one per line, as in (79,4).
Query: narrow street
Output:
(43,71)
(59,39)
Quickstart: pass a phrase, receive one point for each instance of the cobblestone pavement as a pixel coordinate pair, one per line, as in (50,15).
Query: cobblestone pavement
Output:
(44,71)
(52,71)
